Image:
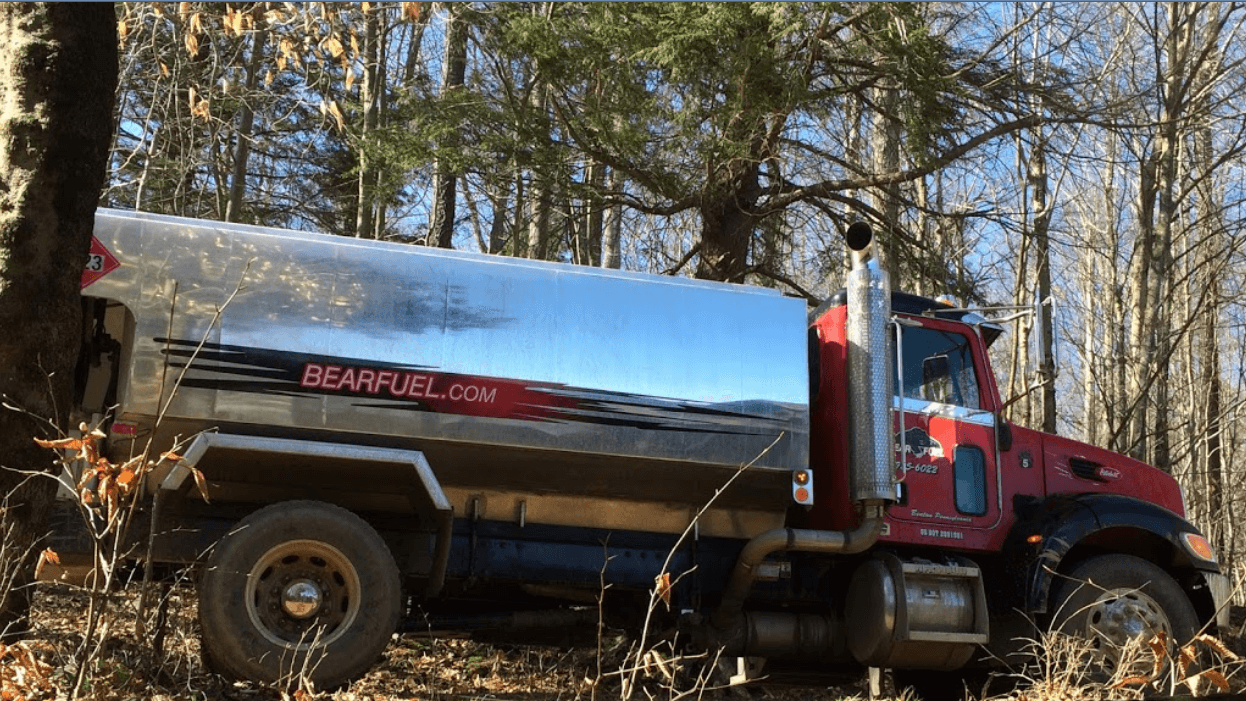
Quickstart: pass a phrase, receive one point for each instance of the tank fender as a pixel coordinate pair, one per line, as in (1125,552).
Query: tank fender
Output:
(1048,529)
(428,495)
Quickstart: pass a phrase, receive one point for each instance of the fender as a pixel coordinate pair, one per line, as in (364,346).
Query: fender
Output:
(1061,522)
(424,493)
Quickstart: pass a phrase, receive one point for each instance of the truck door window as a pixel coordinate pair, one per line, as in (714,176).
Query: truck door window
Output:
(938,367)
(969,469)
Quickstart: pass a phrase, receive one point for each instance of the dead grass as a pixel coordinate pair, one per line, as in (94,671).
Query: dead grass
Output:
(128,667)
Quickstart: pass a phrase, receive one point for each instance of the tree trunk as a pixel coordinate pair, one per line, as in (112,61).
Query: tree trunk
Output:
(453,73)
(1141,335)
(369,96)
(612,227)
(1040,210)
(57,94)
(726,231)
(885,150)
(246,128)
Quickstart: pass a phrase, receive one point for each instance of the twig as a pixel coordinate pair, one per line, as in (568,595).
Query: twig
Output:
(670,555)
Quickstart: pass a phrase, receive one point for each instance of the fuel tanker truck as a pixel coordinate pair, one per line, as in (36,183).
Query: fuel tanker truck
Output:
(371,438)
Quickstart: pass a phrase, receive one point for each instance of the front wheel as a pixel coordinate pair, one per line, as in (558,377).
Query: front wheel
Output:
(298,590)
(1118,604)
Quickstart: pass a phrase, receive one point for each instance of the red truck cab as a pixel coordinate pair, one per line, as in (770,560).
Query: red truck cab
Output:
(973,483)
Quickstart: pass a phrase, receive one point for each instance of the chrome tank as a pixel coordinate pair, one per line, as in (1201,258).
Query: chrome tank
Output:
(569,394)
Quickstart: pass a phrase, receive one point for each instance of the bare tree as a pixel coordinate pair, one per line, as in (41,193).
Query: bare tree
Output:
(57,94)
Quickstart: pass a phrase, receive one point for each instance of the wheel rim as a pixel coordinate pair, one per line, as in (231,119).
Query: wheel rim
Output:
(303,592)
(1121,621)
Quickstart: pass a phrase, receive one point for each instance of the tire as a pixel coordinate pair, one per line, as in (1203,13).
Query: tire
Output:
(298,591)
(1112,599)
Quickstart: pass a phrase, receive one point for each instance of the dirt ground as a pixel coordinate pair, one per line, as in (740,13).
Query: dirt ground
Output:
(162,662)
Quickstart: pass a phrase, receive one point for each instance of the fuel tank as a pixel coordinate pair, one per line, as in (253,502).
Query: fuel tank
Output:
(578,395)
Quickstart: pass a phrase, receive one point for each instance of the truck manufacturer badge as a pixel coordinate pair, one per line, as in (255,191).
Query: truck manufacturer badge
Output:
(920,444)
(100,262)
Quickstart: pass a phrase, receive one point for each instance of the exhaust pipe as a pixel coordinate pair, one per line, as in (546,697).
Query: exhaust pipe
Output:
(869,372)
(872,472)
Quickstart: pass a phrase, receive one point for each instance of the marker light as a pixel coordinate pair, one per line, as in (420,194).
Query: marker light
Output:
(802,487)
(1034,539)
(1199,547)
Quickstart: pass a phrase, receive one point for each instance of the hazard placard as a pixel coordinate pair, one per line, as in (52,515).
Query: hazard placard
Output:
(100,262)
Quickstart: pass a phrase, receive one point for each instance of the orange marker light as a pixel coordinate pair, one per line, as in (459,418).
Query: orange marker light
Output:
(1034,539)
(1199,546)
(802,487)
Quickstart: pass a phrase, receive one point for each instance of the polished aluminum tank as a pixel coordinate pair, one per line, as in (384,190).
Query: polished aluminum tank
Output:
(560,393)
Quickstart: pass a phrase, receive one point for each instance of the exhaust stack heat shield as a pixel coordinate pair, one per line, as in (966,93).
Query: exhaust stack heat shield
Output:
(869,372)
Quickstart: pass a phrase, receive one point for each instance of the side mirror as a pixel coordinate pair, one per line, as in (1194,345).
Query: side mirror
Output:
(1003,433)
(934,368)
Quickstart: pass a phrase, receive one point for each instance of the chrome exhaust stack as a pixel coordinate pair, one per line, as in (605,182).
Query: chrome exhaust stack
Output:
(872,472)
(871,457)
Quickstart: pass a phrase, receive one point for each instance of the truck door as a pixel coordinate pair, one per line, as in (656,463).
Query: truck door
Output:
(946,437)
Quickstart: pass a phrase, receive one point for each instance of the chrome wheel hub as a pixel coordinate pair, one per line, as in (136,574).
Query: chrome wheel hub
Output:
(303,593)
(301,598)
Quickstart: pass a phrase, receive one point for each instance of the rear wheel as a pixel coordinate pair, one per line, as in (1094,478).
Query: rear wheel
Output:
(1118,604)
(298,591)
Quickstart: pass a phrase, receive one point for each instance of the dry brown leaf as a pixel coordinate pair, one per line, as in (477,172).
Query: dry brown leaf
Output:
(1217,646)
(201,482)
(1216,678)
(50,555)
(192,45)
(61,443)
(123,29)
(125,480)
(663,582)
(411,10)
(1185,658)
(1131,681)
(1159,648)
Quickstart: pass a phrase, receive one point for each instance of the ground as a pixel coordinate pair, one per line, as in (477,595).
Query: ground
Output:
(163,663)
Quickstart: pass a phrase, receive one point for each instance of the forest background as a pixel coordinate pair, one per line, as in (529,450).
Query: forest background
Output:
(1086,158)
